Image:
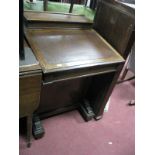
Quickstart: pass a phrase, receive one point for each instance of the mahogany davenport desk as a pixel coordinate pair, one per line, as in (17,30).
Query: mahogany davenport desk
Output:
(77,64)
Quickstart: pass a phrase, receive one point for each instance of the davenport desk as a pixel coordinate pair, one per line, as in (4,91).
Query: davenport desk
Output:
(79,61)
(77,64)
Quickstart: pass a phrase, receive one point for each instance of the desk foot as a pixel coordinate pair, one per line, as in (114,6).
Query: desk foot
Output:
(86,111)
(38,130)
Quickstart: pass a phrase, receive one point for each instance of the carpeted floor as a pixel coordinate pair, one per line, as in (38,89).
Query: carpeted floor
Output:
(68,134)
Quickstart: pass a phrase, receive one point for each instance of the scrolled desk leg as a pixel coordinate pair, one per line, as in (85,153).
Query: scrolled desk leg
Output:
(29,130)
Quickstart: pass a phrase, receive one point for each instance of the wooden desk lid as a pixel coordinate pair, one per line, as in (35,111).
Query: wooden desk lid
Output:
(54,17)
(30,62)
(61,49)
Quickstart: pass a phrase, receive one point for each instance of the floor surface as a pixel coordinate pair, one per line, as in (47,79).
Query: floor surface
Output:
(68,134)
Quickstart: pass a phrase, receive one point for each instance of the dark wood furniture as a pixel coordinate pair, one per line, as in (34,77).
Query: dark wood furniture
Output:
(21,32)
(45,5)
(47,20)
(78,62)
(115,22)
(129,65)
(29,87)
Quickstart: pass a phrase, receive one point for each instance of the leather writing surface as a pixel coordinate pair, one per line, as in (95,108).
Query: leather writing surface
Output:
(66,48)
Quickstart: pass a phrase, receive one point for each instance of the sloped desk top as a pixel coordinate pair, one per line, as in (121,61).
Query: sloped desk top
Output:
(63,49)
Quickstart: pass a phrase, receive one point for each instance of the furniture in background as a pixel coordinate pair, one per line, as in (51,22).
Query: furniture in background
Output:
(44,20)
(72,2)
(115,22)
(45,5)
(129,65)
(29,88)
(21,32)
(130,61)
(126,1)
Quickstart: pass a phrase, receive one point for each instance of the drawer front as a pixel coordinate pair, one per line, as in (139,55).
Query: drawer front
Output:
(78,73)
(29,93)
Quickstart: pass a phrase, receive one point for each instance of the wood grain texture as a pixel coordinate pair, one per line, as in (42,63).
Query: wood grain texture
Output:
(62,94)
(29,94)
(48,20)
(115,22)
(54,17)
(60,49)
(30,77)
